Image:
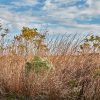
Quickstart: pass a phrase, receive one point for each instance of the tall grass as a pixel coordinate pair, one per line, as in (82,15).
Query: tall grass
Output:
(73,75)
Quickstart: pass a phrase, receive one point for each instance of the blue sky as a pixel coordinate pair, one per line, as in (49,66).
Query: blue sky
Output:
(58,16)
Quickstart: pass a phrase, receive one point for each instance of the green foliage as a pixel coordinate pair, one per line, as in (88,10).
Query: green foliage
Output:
(37,65)
(40,63)
(92,43)
(28,67)
(33,37)
(24,43)
(97,73)
(72,83)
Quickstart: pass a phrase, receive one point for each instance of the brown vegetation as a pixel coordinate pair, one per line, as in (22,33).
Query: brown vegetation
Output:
(77,78)
(74,75)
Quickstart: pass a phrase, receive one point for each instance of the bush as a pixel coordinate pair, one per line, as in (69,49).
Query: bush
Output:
(38,64)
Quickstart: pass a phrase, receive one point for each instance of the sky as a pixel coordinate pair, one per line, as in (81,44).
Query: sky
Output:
(57,16)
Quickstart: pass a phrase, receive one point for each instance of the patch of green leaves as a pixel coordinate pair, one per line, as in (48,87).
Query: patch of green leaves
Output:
(91,42)
(37,65)
(97,73)
(73,83)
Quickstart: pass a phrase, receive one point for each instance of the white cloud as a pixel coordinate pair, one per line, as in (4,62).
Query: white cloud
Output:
(48,5)
(93,9)
(16,20)
(25,3)
(64,16)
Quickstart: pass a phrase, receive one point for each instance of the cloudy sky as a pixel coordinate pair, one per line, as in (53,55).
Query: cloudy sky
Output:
(59,16)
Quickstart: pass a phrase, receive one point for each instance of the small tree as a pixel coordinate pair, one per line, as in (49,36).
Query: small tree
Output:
(31,38)
(91,43)
(3,33)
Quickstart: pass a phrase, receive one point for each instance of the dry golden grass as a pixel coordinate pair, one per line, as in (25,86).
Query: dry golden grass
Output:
(73,78)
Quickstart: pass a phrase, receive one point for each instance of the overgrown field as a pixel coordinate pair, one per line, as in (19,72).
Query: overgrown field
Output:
(65,68)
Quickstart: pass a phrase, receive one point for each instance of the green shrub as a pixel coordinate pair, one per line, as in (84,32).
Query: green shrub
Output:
(97,73)
(91,44)
(37,65)
(73,83)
